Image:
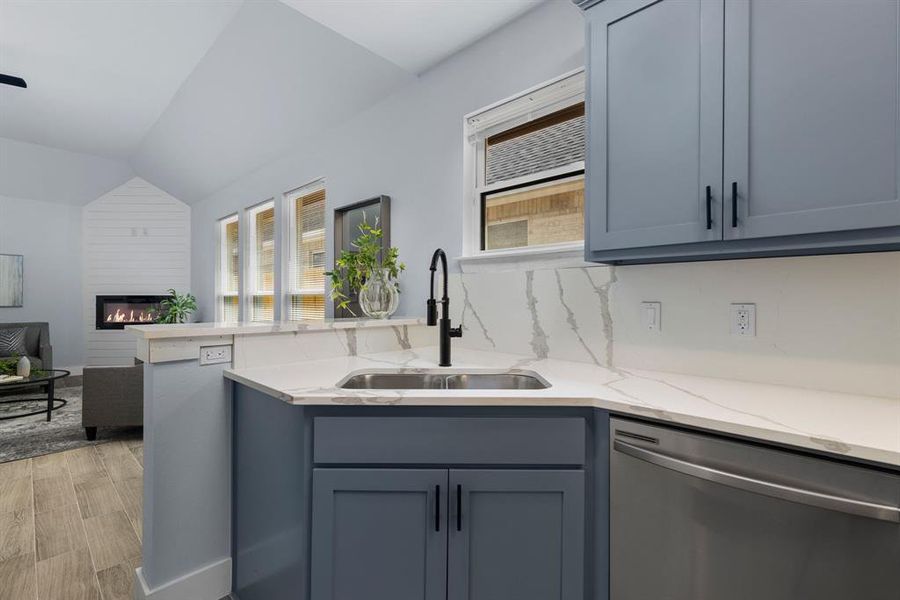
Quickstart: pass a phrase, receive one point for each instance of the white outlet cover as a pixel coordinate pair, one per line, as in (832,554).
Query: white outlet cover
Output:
(651,316)
(213,355)
(743,320)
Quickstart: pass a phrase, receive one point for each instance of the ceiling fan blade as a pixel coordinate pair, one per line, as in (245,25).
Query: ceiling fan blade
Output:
(10,80)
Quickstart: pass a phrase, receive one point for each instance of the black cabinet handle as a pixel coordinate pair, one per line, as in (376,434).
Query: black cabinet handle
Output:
(437,508)
(708,207)
(734,203)
(458,507)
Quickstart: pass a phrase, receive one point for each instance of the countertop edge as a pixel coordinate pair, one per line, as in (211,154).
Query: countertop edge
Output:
(407,398)
(195,330)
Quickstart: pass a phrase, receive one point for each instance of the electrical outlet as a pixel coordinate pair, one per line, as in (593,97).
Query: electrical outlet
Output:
(743,320)
(651,315)
(213,355)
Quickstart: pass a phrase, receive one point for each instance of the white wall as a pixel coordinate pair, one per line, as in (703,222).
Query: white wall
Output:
(48,234)
(136,241)
(823,322)
(53,175)
(41,193)
(409,147)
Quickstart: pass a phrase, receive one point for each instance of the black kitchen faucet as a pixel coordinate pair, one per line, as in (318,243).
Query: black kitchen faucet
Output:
(446,332)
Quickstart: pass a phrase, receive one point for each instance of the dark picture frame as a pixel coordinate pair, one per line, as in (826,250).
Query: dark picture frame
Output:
(346,222)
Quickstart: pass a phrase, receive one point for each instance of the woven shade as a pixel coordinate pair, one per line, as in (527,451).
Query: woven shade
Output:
(555,140)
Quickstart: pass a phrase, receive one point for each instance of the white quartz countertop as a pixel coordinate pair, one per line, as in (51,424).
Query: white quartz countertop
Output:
(864,427)
(194,330)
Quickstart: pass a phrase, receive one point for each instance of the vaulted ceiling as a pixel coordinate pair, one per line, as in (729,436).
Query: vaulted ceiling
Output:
(192,95)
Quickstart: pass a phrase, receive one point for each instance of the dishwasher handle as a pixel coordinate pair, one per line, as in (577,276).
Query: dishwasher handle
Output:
(882,512)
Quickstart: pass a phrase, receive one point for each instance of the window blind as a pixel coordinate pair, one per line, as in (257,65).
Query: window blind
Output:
(262,263)
(307,300)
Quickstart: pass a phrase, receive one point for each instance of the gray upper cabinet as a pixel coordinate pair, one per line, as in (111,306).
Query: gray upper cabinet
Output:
(516,535)
(379,533)
(655,114)
(789,111)
(811,116)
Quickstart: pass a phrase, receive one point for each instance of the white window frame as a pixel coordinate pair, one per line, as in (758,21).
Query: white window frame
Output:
(545,98)
(222,265)
(250,262)
(290,235)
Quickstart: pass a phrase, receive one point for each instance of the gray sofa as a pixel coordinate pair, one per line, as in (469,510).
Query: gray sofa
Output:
(37,346)
(112,396)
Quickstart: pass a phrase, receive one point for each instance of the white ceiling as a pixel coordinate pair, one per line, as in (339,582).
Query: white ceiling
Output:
(99,73)
(414,35)
(193,94)
(273,82)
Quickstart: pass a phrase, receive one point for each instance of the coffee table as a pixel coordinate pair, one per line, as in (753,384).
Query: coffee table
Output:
(38,378)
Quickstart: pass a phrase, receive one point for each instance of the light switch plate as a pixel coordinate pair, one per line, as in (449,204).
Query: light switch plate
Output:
(213,355)
(651,315)
(743,320)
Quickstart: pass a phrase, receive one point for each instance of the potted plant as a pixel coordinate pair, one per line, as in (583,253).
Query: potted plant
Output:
(177,307)
(369,272)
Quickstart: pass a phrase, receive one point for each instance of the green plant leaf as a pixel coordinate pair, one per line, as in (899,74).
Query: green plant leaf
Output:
(353,267)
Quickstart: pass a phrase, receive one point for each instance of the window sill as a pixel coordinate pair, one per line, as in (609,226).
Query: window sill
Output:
(525,259)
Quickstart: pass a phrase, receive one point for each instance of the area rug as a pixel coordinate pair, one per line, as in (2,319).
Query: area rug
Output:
(34,436)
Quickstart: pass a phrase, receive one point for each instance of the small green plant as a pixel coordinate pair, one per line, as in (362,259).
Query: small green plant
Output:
(9,365)
(353,267)
(177,307)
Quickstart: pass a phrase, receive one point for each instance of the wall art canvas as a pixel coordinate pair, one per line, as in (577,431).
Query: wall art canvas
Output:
(12,279)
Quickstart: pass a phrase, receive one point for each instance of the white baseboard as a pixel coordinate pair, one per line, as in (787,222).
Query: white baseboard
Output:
(212,582)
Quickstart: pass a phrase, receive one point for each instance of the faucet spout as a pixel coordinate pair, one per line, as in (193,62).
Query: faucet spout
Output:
(446,332)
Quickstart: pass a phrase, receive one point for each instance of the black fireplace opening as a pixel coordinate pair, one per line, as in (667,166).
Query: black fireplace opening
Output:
(115,312)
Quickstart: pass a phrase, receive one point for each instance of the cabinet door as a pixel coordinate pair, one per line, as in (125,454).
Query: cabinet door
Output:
(516,535)
(811,116)
(655,122)
(379,533)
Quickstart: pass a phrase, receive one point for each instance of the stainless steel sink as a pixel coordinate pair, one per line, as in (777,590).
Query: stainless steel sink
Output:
(444,380)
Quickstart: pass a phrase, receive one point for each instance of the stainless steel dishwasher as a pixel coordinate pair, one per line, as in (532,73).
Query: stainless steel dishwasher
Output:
(698,517)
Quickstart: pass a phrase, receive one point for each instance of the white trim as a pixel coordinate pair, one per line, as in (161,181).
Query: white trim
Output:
(211,582)
(290,199)
(221,264)
(559,173)
(250,264)
(546,97)
(557,256)
(541,99)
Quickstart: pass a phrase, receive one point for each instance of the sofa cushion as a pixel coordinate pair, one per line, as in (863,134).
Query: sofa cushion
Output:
(12,341)
(36,363)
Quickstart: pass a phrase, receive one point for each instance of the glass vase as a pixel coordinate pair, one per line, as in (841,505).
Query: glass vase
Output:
(378,296)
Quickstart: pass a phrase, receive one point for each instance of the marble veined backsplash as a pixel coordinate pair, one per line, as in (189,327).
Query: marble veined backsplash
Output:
(823,322)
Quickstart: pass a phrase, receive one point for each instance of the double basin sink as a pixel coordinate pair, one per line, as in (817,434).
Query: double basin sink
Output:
(443,380)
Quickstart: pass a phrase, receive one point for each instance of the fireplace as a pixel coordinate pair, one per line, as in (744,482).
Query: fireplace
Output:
(115,312)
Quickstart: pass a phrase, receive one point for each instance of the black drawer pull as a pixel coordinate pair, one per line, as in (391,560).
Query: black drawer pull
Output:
(437,508)
(458,507)
(708,207)
(734,203)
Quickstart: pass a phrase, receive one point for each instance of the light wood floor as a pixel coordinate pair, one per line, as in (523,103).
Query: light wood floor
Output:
(70,524)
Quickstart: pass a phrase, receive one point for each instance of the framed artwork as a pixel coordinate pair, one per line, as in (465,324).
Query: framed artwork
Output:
(346,229)
(12,279)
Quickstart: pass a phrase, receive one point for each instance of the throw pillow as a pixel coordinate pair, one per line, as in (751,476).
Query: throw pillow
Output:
(12,342)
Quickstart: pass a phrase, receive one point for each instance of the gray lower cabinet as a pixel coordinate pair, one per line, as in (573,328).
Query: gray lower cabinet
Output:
(379,534)
(516,535)
(430,534)
(731,128)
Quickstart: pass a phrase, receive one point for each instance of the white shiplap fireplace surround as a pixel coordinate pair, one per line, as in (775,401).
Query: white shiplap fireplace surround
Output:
(136,240)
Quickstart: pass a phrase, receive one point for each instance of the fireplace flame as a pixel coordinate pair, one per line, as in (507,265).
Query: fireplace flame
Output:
(122,317)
